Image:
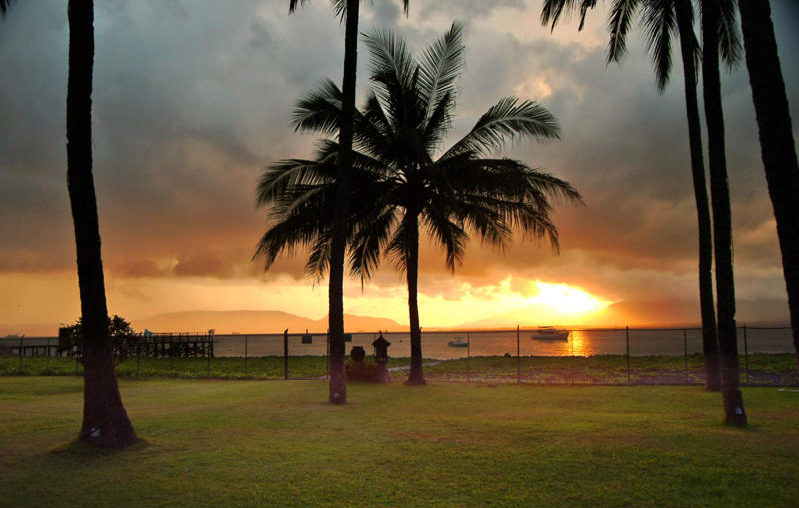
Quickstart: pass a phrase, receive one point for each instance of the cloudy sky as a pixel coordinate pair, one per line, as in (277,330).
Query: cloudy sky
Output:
(192,100)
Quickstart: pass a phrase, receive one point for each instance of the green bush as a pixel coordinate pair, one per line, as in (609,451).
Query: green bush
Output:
(361,371)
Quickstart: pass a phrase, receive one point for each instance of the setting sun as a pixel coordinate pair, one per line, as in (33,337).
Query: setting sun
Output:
(567,300)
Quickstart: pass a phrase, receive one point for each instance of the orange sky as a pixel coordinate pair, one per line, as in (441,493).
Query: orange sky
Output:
(190,106)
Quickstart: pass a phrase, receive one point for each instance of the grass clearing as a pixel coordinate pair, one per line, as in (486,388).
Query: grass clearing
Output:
(217,443)
(764,369)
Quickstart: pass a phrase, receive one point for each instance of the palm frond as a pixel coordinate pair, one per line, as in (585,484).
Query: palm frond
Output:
(369,242)
(5,4)
(552,10)
(447,233)
(730,49)
(319,109)
(660,25)
(584,6)
(293,5)
(283,175)
(510,118)
(438,124)
(439,66)
(393,76)
(619,20)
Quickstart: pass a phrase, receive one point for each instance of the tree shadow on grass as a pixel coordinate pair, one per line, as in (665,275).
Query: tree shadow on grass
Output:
(79,450)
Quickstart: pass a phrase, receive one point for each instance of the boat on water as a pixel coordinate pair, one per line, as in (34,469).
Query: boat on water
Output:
(458,342)
(550,333)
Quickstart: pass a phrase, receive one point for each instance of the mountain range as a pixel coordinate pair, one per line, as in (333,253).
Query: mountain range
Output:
(224,322)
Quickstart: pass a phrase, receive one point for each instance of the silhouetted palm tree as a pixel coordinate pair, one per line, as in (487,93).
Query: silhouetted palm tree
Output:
(105,421)
(720,36)
(777,145)
(399,187)
(338,381)
(662,20)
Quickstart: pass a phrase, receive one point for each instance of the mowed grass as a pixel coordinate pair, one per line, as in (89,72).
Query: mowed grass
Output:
(764,369)
(256,443)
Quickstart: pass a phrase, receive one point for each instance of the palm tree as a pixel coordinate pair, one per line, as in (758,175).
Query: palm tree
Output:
(338,382)
(719,36)
(105,421)
(399,186)
(661,19)
(776,141)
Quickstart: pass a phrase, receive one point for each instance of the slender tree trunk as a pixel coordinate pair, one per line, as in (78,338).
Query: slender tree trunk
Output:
(777,146)
(105,421)
(338,377)
(710,346)
(416,376)
(722,217)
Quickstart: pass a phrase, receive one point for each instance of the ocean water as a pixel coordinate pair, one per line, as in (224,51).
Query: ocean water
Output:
(642,342)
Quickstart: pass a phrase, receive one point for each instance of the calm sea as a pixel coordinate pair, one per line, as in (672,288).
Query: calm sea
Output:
(498,343)
(642,342)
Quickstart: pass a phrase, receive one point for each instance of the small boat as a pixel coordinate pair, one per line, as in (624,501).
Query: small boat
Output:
(550,333)
(458,342)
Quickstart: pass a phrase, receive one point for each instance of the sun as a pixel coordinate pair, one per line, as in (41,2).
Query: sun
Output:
(565,299)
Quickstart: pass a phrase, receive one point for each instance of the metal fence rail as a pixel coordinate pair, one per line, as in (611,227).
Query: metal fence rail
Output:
(590,355)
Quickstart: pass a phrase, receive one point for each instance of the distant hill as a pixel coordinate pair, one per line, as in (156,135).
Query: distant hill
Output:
(255,321)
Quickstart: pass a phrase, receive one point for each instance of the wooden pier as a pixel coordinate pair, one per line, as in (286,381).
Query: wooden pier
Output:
(146,344)
(176,345)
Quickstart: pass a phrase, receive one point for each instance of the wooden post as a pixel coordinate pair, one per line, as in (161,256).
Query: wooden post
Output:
(245,356)
(468,355)
(210,354)
(518,370)
(627,329)
(20,353)
(286,353)
(685,351)
(746,355)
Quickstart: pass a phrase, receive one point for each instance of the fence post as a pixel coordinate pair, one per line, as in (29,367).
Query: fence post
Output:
(685,351)
(627,330)
(746,355)
(245,356)
(468,355)
(210,353)
(286,353)
(518,370)
(20,353)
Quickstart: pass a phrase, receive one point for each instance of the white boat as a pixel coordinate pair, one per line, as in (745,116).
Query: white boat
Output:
(458,342)
(550,333)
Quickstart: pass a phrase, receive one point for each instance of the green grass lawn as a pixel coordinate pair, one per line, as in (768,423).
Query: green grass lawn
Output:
(764,369)
(223,443)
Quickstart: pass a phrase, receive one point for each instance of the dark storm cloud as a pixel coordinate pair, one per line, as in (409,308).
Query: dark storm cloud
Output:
(191,100)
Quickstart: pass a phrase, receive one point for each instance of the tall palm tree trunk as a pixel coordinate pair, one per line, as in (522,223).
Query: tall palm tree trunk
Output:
(105,421)
(710,346)
(338,379)
(722,217)
(777,147)
(416,376)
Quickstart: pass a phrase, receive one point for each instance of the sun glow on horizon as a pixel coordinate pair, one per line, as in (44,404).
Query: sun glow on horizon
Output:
(565,299)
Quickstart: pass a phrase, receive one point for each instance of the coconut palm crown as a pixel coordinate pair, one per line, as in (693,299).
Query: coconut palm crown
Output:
(399,185)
